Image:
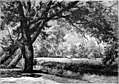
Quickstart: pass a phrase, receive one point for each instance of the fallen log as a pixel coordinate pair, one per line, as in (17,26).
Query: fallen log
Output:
(3,58)
(8,55)
(15,60)
(8,61)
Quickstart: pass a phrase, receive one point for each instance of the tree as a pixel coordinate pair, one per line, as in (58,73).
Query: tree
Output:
(32,18)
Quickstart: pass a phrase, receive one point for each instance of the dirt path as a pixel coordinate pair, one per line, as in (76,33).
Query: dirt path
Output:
(26,80)
(46,79)
(41,78)
(35,78)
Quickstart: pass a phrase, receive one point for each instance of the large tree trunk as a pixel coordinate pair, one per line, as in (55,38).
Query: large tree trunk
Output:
(27,52)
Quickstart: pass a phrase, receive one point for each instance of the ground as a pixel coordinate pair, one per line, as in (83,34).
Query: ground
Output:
(43,78)
(51,79)
(14,76)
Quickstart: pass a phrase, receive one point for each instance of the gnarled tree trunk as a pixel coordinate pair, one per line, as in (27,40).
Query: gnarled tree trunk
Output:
(27,52)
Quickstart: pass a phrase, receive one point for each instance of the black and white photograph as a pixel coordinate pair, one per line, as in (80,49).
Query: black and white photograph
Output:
(59,41)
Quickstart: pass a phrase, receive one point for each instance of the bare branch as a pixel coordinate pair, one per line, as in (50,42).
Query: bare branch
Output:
(10,35)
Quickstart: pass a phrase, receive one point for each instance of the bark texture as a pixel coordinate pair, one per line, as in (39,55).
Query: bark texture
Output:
(27,52)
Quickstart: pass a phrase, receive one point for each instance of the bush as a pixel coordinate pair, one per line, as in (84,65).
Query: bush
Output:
(111,53)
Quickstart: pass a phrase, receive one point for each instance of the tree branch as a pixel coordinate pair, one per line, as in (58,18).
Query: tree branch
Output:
(70,5)
(44,13)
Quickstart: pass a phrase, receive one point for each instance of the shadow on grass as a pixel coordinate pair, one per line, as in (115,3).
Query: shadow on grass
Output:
(111,70)
(66,70)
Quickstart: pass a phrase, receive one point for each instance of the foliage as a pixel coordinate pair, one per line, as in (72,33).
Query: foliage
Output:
(81,51)
(6,43)
(111,53)
(93,16)
(98,20)
(51,44)
(33,13)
